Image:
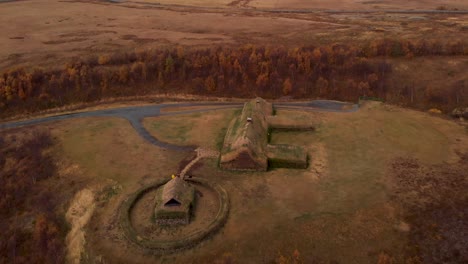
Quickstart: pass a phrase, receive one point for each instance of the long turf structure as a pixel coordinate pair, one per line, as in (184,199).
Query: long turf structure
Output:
(246,145)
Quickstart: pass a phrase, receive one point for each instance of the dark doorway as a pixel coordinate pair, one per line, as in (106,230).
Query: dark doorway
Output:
(172,202)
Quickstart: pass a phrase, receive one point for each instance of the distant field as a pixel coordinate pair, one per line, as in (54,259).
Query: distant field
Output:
(322,4)
(207,3)
(43,37)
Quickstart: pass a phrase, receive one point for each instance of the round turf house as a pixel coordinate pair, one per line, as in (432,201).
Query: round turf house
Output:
(174,202)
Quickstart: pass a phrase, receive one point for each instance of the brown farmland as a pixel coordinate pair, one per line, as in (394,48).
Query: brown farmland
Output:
(49,32)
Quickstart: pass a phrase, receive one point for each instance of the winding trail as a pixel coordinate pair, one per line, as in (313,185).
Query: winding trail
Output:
(136,114)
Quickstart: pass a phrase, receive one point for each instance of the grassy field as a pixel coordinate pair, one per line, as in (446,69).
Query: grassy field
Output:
(321,4)
(110,149)
(43,37)
(337,210)
(107,157)
(186,108)
(200,129)
(341,209)
(286,156)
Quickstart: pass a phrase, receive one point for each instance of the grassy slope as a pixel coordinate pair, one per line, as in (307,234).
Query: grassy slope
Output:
(344,216)
(109,148)
(201,129)
(109,157)
(359,147)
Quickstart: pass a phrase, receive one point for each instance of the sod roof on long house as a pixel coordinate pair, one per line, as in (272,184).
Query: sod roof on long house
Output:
(246,139)
(246,143)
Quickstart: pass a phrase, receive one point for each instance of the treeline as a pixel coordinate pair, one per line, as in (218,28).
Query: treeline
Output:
(31,230)
(336,71)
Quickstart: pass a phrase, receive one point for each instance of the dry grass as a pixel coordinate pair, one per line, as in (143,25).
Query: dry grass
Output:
(200,129)
(109,148)
(108,156)
(319,4)
(340,205)
(286,156)
(336,210)
(434,205)
(290,123)
(346,210)
(80,211)
(171,109)
(49,39)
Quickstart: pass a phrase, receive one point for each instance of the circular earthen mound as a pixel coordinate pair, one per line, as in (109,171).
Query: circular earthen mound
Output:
(167,239)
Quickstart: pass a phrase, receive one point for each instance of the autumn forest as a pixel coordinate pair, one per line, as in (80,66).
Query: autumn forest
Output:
(337,71)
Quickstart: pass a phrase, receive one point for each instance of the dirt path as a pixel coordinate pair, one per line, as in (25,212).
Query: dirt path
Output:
(78,215)
(134,115)
(201,153)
